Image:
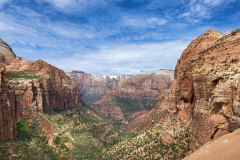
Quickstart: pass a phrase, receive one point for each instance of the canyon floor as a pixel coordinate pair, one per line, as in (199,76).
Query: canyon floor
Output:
(82,133)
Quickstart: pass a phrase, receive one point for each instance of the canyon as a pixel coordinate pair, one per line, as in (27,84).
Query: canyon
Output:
(204,93)
(136,95)
(94,87)
(31,86)
(196,106)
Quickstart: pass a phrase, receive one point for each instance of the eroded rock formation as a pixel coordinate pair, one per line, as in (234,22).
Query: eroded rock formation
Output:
(8,127)
(225,147)
(37,85)
(94,86)
(95,83)
(139,92)
(6,53)
(206,86)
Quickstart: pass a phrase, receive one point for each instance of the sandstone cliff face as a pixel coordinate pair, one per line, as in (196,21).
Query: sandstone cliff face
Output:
(8,127)
(36,85)
(139,92)
(95,83)
(6,53)
(225,147)
(206,86)
(93,86)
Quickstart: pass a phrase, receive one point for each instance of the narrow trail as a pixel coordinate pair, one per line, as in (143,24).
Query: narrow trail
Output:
(106,131)
(51,134)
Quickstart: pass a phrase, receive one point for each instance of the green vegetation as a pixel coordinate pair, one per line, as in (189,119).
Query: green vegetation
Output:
(27,145)
(82,133)
(91,97)
(131,105)
(149,145)
(28,74)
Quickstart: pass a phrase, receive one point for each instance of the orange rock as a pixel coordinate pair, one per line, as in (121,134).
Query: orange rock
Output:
(8,128)
(225,147)
(206,86)
(52,90)
(139,87)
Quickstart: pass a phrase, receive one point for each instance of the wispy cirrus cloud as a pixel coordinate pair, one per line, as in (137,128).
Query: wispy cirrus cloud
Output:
(139,22)
(125,59)
(128,35)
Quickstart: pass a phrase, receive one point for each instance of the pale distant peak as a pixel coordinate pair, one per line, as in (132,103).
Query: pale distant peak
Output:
(146,72)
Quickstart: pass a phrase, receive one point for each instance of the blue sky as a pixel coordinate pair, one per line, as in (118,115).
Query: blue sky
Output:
(111,37)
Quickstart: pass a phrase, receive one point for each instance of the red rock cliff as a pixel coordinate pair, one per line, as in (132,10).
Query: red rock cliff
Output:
(88,82)
(206,86)
(8,127)
(37,85)
(139,87)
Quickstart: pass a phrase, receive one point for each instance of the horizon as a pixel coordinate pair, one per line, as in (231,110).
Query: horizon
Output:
(104,37)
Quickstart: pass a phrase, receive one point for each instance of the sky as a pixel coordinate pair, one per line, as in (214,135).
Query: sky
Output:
(111,37)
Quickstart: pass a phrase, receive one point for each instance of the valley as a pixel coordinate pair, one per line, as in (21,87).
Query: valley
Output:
(46,113)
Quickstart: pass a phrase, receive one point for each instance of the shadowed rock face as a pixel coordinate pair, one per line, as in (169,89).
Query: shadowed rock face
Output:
(36,85)
(8,127)
(94,86)
(43,87)
(206,86)
(139,92)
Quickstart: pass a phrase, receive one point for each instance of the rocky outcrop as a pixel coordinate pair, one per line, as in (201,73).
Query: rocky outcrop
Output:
(8,127)
(94,87)
(39,86)
(6,53)
(206,86)
(225,147)
(139,92)
(95,83)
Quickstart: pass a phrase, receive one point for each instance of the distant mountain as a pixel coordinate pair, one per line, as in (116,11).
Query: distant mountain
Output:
(137,93)
(94,87)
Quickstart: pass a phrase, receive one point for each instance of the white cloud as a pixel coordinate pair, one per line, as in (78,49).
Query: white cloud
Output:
(139,22)
(126,59)
(73,6)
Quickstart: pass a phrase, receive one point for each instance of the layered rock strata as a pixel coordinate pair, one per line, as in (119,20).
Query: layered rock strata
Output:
(8,127)
(36,85)
(206,86)
(94,83)
(39,86)
(139,92)
(6,53)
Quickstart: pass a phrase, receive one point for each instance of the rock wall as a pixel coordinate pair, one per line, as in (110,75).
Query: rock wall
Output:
(206,86)
(6,53)
(139,92)
(36,85)
(95,83)
(8,127)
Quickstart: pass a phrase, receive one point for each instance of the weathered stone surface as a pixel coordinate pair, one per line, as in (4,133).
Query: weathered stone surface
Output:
(145,87)
(8,127)
(225,147)
(6,53)
(206,86)
(95,83)
(50,89)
